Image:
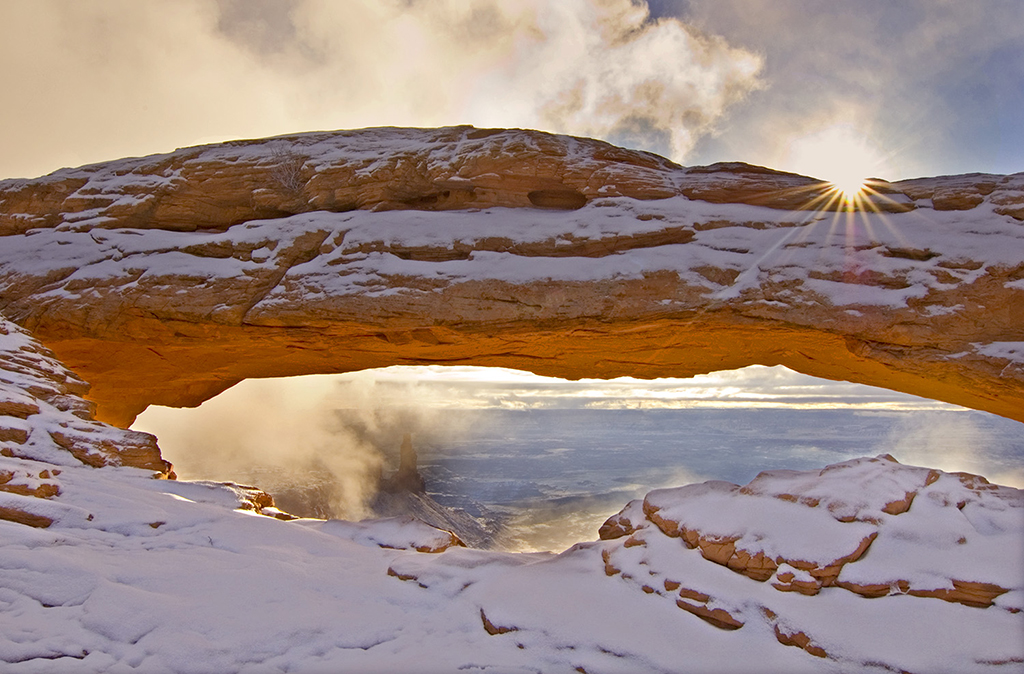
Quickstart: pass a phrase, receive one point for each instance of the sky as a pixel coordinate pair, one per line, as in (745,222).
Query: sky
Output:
(877,88)
(469,387)
(896,90)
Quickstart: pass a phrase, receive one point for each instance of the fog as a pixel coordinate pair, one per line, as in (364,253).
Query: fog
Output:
(306,430)
(87,82)
(954,443)
(920,87)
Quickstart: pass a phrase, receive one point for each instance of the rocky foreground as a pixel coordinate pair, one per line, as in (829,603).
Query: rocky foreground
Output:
(864,566)
(166,279)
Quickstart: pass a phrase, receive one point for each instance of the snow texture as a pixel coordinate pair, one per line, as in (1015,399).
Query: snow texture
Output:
(140,574)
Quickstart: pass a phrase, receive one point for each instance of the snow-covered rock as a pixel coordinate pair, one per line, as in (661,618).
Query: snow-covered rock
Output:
(166,279)
(46,425)
(400,533)
(929,533)
(868,526)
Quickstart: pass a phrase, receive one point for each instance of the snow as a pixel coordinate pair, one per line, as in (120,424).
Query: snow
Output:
(1011,351)
(140,574)
(390,532)
(776,528)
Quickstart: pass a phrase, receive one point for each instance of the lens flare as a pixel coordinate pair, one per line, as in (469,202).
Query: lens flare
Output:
(849,187)
(839,155)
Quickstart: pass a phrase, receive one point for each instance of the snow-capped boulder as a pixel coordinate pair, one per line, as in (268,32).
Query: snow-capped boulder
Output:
(800,545)
(929,533)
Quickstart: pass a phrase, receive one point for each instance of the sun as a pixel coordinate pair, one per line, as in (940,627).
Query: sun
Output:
(849,186)
(839,155)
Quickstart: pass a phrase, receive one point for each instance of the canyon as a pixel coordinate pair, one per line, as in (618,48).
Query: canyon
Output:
(167,279)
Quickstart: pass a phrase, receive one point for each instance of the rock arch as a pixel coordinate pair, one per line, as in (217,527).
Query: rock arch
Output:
(166,279)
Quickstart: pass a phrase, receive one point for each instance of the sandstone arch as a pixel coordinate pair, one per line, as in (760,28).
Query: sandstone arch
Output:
(166,279)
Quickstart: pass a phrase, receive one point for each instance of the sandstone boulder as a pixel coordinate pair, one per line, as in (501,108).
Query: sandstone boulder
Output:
(823,534)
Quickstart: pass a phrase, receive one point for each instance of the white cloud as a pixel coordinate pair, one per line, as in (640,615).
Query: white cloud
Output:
(94,81)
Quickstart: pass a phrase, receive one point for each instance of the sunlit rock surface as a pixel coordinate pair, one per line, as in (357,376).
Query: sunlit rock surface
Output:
(168,278)
(865,566)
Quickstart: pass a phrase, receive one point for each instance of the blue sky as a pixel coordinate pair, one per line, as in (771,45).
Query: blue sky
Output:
(938,84)
(918,87)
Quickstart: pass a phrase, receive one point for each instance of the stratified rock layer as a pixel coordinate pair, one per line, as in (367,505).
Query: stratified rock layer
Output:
(167,279)
(46,425)
(870,526)
(930,533)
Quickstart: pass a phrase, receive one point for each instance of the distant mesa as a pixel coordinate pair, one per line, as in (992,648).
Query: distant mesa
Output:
(403,494)
(167,279)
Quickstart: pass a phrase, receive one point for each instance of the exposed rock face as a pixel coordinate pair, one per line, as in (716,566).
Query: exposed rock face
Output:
(408,477)
(423,508)
(47,430)
(403,494)
(167,279)
(216,187)
(923,567)
(45,424)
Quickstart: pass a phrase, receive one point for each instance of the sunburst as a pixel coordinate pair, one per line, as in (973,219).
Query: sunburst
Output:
(849,189)
(839,155)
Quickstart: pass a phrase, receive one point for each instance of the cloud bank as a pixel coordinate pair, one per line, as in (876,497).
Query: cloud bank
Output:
(92,81)
(920,87)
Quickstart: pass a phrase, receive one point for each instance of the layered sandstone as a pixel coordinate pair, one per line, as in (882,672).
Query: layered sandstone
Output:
(166,279)
(804,531)
(47,427)
(47,431)
(43,417)
(869,526)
